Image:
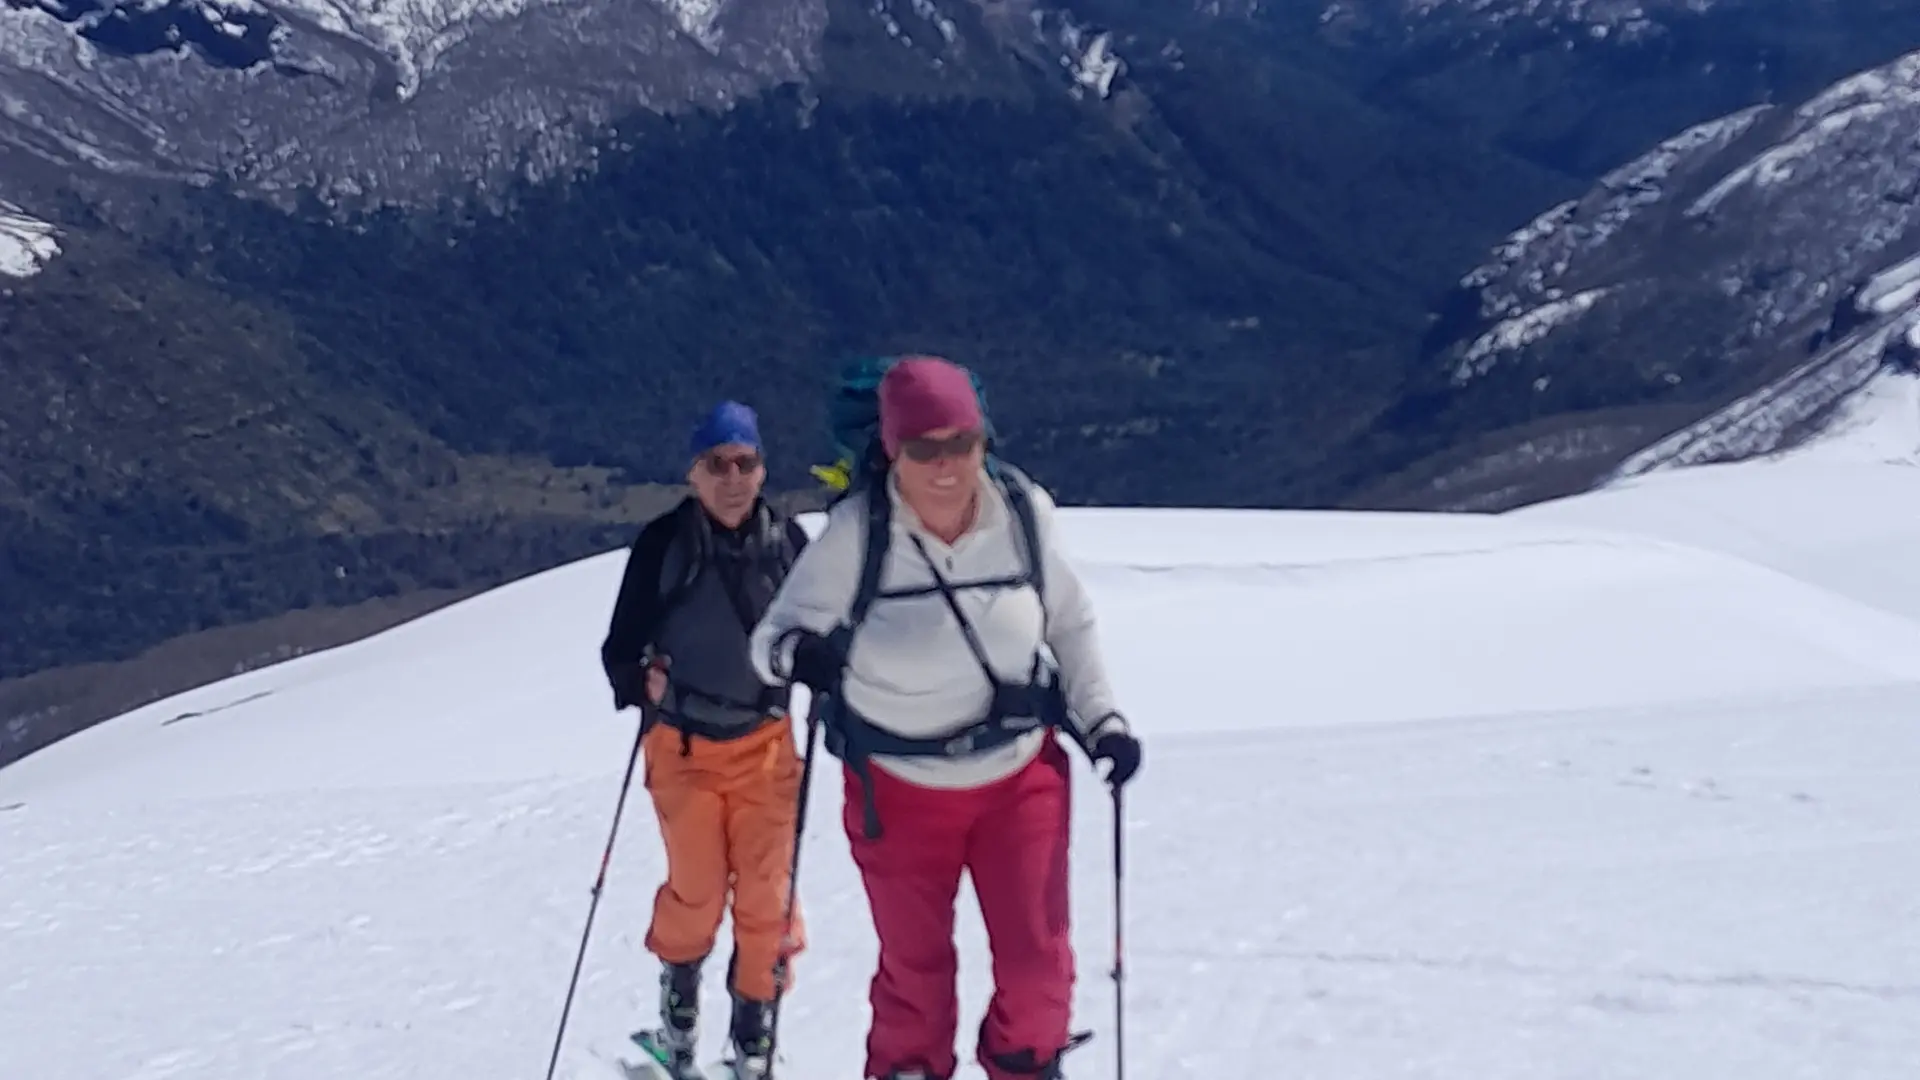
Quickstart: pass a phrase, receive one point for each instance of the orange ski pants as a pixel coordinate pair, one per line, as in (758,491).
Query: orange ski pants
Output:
(726,812)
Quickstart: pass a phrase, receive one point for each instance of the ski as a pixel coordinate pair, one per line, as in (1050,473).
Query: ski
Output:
(666,1062)
(748,1068)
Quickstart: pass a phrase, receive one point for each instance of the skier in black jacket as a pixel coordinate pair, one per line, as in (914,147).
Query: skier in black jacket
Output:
(721,762)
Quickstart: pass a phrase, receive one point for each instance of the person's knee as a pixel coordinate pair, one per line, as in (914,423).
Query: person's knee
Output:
(1040,980)
(687,912)
(699,887)
(680,934)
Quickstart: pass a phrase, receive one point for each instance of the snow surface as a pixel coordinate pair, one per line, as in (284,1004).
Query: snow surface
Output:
(1623,786)
(27,244)
(1836,512)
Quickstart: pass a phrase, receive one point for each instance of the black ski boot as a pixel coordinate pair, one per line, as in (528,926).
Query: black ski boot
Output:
(1027,1063)
(675,1043)
(752,1037)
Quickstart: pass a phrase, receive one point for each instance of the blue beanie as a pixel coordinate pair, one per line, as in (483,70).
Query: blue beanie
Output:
(729,422)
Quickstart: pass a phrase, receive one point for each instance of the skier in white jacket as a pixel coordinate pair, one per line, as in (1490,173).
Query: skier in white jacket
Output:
(940,706)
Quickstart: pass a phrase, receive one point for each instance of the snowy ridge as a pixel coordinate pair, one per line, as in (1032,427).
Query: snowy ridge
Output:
(1600,16)
(1891,290)
(374,861)
(1577,21)
(1887,98)
(1525,289)
(396,101)
(415,34)
(1887,309)
(1878,423)
(27,244)
(1522,330)
(1526,269)
(309,98)
(1774,238)
(1766,421)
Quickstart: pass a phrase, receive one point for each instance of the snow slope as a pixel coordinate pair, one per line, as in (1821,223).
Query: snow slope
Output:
(1426,796)
(1837,511)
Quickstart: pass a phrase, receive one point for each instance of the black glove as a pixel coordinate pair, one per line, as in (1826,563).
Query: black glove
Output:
(1123,750)
(630,685)
(815,663)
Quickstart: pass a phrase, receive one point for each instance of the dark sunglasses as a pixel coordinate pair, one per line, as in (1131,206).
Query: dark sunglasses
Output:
(924,449)
(719,464)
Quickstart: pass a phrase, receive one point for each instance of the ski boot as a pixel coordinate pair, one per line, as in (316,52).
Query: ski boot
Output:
(751,1040)
(674,1044)
(1027,1063)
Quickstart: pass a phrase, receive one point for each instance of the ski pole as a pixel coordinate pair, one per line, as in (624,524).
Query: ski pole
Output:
(599,882)
(1119,1014)
(793,875)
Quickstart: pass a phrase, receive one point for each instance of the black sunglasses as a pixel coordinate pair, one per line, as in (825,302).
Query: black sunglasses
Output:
(924,449)
(720,464)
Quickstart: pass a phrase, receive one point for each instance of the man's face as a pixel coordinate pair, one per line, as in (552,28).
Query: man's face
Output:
(727,479)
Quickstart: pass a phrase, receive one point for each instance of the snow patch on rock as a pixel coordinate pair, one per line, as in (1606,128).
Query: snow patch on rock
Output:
(1521,330)
(927,12)
(700,19)
(1084,52)
(1892,289)
(27,244)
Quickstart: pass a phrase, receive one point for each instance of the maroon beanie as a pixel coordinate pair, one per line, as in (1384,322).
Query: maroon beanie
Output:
(925,393)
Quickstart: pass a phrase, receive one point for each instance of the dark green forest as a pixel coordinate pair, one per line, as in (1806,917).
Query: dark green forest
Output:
(1133,313)
(1224,286)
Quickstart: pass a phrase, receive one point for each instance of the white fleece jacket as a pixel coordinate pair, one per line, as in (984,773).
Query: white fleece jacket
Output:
(909,670)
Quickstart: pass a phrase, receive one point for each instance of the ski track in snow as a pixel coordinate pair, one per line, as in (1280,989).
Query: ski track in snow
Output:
(1621,786)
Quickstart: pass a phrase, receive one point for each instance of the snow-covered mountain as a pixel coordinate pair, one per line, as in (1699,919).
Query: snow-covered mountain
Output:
(1641,797)
(401,101)
(1506,23)
(358,95)
(1157,229)
(1790,214)
(1760,267)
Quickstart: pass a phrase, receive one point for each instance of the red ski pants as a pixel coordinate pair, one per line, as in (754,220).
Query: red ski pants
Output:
(1011,836)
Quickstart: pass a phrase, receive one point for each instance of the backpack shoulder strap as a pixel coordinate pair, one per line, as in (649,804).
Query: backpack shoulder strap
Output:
(688,545)
(794,539)
(879,536)
(1017,487)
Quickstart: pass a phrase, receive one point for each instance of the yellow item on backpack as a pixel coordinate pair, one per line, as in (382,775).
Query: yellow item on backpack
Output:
(838,476)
